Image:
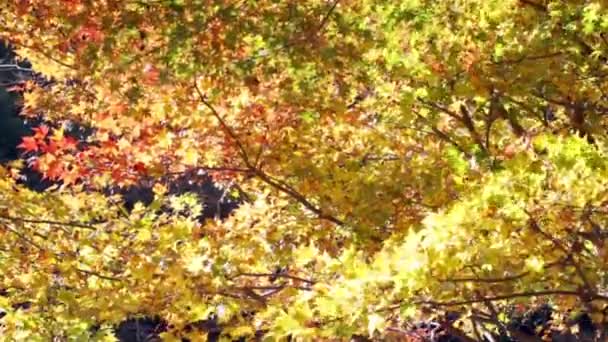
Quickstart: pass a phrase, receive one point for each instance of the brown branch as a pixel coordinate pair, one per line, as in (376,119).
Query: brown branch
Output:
(465,119)
(470,125)
(441,109)
(224,125)
(254,295)
(529,58)
(497,279)
(325,19)
(99,275)
(494,315)
(497,110)
(486,280)
(523,105)
(442,135)
(282,187)
(267,291)
(277,275)
(212,169)
(69,224)
(535,5)
(231,295)
(45,54)
(568,252)
(509,296)
(298,197)
(25,238)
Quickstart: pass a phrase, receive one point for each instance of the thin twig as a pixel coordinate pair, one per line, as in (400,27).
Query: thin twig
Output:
(568,252)
(298,197)
(224,125)
(486,280)
(27,220)
(325,19)
(529,58)
(509,296)
(443,136)
(25,238)
(277,275)
(99,275)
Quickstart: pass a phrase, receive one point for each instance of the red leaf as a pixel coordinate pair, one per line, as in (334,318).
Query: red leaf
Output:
(55,171)
(51,147)
(68,143)
(41,132)
(117,175)
(140,167)
(151,75)
(28,144)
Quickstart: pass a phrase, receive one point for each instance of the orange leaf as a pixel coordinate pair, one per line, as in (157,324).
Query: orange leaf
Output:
(40,132)
(68,143)
(140,167)
(28,144)
(50,148)
(54,171)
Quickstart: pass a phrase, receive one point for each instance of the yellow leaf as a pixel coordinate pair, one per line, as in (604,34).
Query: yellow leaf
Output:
(375,323)
(190,157)
(196,265)
(305,254)
(159,189)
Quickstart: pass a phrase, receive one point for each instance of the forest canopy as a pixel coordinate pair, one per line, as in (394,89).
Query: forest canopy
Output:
(387,163)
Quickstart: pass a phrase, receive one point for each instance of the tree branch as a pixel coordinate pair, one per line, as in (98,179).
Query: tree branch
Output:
(568,252)
(99,275)
(26,220)
(277,275)
(465,119)
(442,135)
(509,296)
(224,125)
(284,188)
(298,197)
(325,19)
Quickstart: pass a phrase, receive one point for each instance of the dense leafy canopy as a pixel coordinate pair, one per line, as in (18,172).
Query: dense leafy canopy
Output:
(395,160)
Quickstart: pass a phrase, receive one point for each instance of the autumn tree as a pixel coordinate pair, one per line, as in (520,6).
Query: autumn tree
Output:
(395,161)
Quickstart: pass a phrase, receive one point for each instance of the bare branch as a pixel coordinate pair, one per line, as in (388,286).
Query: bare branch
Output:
(277,275)
(465,119)
(508,296)
(25,238)
(442,135)
(298,197)
(568,251)
(58,223)
(284,188)
(224,125)
(99,275)
(325,19)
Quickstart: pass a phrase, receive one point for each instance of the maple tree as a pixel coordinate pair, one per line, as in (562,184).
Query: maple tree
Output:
(394,161)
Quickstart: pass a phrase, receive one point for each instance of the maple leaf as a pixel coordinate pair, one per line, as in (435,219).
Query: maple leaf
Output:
(29,144)
(397,193)
(51,147)
(41,132)
(68,143)
(54,170)
(140,167)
